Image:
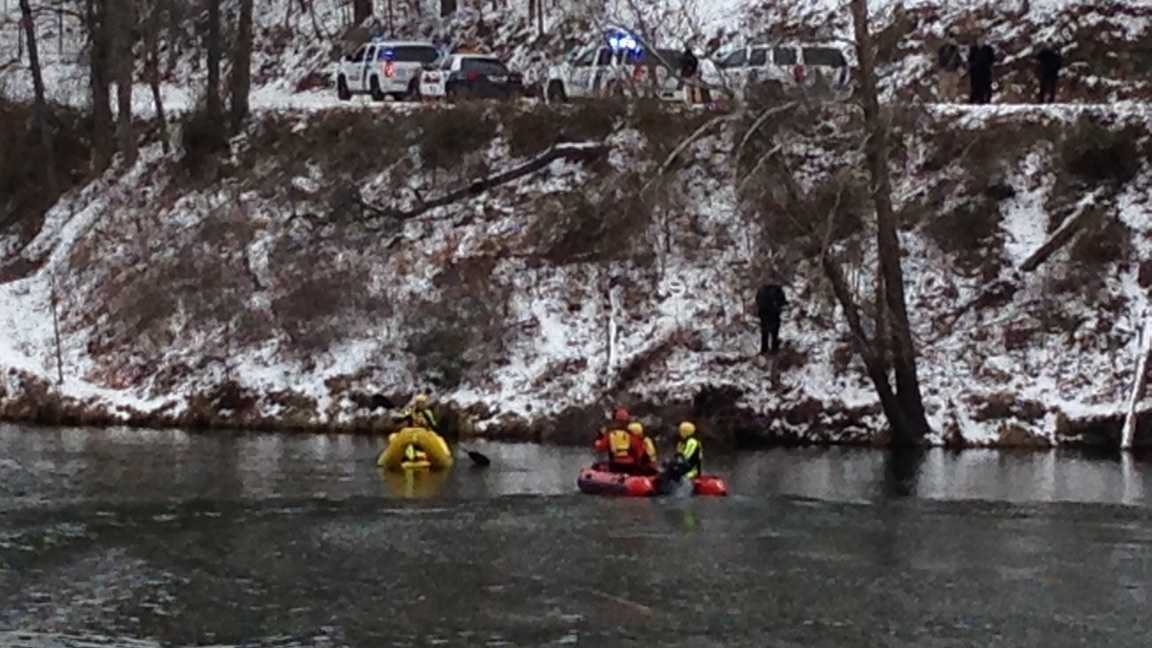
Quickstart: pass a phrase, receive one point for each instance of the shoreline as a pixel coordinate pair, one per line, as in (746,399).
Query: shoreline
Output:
(573,427)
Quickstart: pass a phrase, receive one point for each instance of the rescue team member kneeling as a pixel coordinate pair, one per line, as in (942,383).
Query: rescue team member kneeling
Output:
(420,414)
(689,459)
(614,433)
(642,447)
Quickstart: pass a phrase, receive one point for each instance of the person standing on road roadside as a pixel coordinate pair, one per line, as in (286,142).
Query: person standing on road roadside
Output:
(981,58)
(1049,61)
(770,303)
(951,69)
(689,66)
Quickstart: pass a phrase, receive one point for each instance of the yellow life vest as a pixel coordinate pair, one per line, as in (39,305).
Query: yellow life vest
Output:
(619,443)
(693,455)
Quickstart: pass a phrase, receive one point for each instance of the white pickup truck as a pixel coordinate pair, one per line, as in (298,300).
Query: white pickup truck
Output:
(619,67)
(385,68)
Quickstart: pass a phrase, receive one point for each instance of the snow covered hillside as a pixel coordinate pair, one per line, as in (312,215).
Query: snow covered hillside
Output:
(263,292)
(304,281)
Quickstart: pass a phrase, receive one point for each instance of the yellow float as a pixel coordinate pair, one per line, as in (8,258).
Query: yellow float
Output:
(434,446)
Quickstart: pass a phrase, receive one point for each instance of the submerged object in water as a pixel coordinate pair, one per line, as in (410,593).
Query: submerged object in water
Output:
(598,480)
(433,445)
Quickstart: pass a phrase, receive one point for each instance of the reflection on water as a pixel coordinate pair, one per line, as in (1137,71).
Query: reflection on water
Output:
(41,465)
(413,483)
(864,474)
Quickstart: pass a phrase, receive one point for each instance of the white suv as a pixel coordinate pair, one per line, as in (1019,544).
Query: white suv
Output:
(385,68)
(618,69)
(784,66)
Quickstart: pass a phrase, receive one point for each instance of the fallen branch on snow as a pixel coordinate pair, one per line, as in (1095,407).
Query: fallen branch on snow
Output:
(576,152)
(1002,290)
(1063,234)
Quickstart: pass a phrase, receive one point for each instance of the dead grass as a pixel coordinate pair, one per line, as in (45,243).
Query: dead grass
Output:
(458,332)
(1094,153)
(447,136)
(584,226)
(24,194)
(972,236)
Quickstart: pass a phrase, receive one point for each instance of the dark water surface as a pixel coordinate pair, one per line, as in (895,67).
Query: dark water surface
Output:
(143,538)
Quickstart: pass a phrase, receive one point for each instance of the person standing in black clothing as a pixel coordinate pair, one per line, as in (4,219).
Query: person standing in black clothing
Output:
(1049,61)
(689,66)
(770,303)
(951,67)
(981,58)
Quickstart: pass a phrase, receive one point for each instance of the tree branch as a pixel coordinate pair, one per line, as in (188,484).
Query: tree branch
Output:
(582,152)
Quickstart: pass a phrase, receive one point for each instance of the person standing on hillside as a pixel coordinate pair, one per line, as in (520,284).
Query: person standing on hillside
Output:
(1049,61)
(770,303)
(981,58)
(951,68)
(689,66)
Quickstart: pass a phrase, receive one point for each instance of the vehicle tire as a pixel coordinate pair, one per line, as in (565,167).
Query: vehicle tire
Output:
(374,89)
(555,93)
(615,90)
(452,94)
(413,93)
(342,91)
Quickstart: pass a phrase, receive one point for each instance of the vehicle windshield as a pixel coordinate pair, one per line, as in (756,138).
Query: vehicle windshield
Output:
(826,56)
(483,66)
(409,54)
(735,59)
(665,57)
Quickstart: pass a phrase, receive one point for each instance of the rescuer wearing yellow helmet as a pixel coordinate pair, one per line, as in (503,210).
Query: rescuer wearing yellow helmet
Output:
(420,415)
(645,449)
(689,452)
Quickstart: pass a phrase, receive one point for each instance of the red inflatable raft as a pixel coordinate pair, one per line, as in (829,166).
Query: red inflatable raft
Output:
(598,480)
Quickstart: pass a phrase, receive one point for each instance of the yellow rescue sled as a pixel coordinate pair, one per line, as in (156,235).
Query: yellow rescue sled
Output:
(439,455)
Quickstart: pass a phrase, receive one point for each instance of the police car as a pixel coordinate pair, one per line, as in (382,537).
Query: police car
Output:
(620,66)
(474,76)
(384,68)
(784,66)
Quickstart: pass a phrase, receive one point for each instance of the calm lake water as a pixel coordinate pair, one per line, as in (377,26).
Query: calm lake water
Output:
(143,538)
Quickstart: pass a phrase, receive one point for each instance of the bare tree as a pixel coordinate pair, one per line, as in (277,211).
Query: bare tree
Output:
(99,57)
(361,11)
(242,66)
(124,26)
(40,112)
(909,423)
(213,105)
(152,63)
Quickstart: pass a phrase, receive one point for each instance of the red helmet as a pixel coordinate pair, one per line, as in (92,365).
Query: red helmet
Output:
(622,415)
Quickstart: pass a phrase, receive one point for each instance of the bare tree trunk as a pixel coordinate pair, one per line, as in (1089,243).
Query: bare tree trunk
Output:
(877,368)
(152,65)
(174,34)
(56,325)
(212,105)
(242,67)
(98,60)
(125,20)
(914,426)
(1128,436)
(40,112)
(361,10)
